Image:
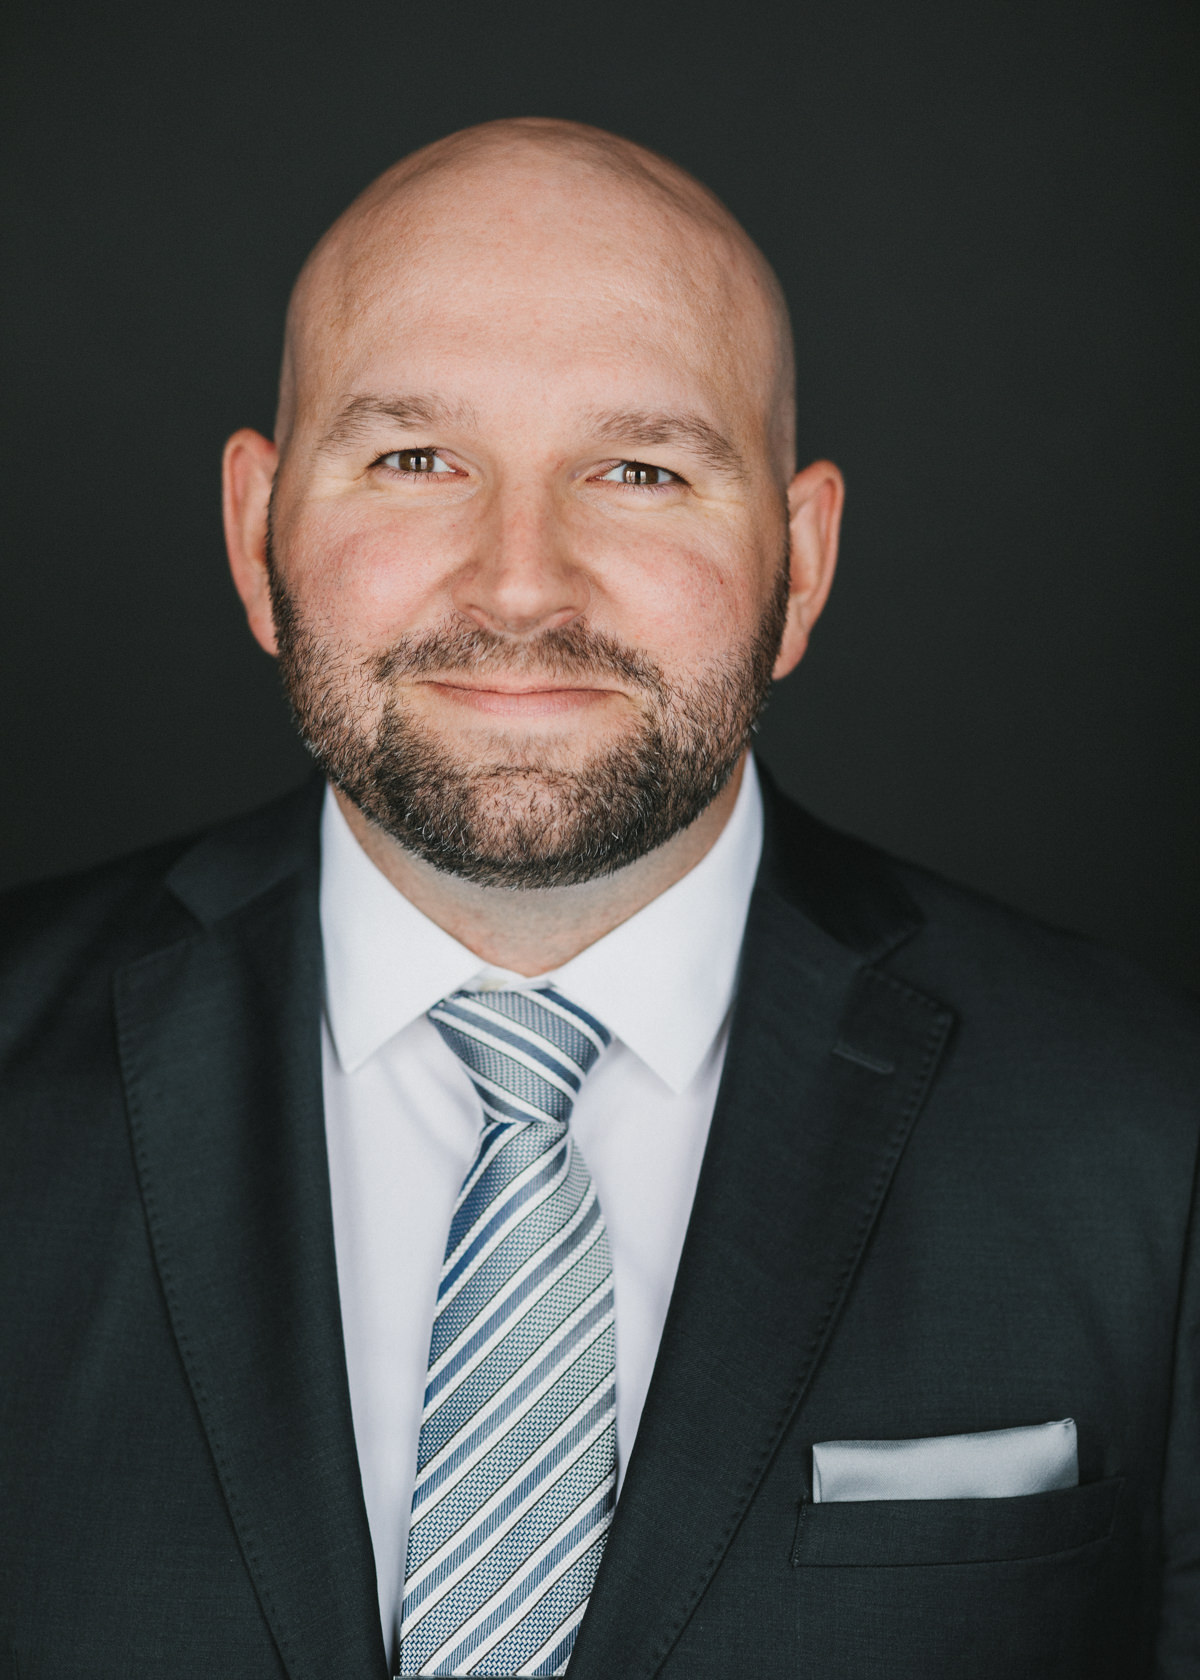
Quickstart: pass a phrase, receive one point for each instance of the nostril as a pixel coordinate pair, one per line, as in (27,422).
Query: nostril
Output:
(516,623)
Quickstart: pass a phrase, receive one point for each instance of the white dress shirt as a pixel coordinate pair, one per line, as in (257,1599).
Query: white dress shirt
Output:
(403,1121)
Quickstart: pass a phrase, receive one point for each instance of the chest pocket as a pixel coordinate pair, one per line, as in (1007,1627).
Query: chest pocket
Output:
(894,1533)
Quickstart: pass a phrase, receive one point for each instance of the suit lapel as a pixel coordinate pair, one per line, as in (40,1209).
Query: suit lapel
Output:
(220,1048)
(829,1059)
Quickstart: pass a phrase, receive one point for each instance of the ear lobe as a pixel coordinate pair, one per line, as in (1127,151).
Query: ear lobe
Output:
(815,500)
(247,475)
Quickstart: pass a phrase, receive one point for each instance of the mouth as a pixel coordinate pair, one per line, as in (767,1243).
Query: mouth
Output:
(519,698)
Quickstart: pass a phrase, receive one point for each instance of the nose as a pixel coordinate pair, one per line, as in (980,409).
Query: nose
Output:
(521,578)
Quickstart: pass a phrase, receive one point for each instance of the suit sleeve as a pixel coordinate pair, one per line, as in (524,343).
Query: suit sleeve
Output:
(1178,1646)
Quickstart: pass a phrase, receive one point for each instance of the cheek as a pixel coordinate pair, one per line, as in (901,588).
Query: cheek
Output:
(686,604)
(371,579)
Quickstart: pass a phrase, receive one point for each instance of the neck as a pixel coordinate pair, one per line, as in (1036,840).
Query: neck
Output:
(533,930)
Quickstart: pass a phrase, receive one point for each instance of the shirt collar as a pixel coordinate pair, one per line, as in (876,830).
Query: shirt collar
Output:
(662,982)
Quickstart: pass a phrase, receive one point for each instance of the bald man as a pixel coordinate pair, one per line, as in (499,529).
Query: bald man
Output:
(534,1201)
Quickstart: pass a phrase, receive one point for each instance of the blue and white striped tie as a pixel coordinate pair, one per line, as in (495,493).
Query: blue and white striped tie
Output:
(517,1462)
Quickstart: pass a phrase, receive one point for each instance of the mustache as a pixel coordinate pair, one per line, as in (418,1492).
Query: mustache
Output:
(575,651)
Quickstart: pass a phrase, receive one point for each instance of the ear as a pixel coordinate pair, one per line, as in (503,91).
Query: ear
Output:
(815,498)
(247,474)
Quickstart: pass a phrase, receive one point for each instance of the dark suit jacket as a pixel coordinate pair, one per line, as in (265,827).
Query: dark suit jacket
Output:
(949,1188)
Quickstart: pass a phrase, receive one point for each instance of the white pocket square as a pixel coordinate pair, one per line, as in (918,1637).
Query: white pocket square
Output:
(995,1464)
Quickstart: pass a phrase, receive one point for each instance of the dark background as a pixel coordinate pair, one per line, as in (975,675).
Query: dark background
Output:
(983,217)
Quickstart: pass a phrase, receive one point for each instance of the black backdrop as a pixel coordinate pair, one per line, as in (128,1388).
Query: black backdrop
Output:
(983,218)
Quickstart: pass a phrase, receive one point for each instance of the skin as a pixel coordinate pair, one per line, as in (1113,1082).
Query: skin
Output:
(529,306)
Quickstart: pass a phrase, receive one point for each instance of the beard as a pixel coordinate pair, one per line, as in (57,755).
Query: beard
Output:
(514,816)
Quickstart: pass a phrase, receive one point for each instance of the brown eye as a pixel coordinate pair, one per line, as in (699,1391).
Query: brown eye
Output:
(422,462)
(640,474)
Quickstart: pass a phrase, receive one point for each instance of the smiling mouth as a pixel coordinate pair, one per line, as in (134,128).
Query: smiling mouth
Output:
(522,699)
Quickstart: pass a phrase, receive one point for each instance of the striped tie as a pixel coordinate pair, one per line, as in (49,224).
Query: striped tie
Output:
(517,1461)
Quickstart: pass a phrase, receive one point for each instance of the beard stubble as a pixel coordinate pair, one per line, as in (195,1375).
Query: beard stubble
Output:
(504,820)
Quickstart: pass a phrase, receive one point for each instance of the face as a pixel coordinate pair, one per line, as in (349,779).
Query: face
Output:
(527,561)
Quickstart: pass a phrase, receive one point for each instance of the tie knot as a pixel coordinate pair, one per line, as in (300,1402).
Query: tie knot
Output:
(527,1051)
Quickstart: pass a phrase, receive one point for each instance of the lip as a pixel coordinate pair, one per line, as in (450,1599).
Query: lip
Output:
(525,700)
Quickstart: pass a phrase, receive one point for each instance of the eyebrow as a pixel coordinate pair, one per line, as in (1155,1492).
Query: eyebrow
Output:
(357,418)
(641,428)
(653,429)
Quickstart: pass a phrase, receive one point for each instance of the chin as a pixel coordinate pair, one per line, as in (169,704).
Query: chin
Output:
(562,743)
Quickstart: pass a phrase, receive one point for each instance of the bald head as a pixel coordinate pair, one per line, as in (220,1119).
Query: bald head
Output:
(529,542)
(555,209)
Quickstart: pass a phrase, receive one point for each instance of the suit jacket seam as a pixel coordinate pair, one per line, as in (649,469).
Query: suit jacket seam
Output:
(1191,1238)
(242,1527)
(815,1347)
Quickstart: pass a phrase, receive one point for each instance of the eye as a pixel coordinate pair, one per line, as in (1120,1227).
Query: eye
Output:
(421,463)
(640,474)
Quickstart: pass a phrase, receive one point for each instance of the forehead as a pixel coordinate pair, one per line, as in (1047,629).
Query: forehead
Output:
(575,282)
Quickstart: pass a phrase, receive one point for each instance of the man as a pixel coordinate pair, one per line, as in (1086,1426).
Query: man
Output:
(548,1205)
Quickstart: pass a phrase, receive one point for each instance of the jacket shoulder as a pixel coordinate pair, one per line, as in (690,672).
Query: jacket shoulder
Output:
(1059,973)
(1054,1024)
(58,921)
(1009,977)
(62,938)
